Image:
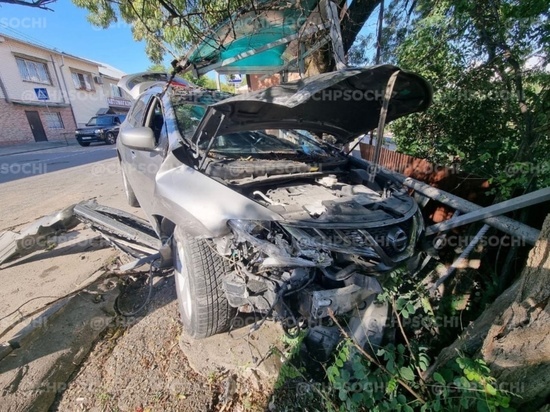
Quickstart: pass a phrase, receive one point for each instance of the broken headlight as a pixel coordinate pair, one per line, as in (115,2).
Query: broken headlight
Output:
(268,243)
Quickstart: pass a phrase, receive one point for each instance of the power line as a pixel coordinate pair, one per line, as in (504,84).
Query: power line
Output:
(23,36)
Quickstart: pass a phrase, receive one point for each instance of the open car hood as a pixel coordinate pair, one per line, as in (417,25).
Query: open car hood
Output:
(345,103)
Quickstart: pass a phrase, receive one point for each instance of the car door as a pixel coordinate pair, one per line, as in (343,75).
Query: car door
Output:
(146,163)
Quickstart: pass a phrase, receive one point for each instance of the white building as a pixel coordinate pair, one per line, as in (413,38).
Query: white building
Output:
(45,94)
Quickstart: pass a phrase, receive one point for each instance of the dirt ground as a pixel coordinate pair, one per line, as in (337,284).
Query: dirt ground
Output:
(136,363)
(139,366)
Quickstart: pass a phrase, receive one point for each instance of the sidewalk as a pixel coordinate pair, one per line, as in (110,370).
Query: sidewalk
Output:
(35,146)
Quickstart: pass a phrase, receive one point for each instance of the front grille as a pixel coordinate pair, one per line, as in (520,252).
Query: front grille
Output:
(355,241)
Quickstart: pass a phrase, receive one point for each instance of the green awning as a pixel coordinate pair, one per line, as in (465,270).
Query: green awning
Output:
(263,35)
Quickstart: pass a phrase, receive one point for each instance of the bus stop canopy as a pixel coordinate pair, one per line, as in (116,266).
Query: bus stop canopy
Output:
(275,36)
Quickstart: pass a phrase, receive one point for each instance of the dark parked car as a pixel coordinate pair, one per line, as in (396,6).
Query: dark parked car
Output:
(102,128)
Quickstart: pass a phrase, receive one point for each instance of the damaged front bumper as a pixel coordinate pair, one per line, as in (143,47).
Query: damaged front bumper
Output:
(310,273)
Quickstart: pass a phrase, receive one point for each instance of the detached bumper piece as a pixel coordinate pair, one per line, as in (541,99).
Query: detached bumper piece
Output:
(124,231)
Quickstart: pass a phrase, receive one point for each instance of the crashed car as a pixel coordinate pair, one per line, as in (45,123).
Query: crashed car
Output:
(261,208)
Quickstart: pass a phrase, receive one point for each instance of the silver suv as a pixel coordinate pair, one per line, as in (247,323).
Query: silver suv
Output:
(264,212)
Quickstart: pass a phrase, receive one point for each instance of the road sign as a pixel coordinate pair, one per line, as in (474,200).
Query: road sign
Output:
(41,93)
(234,79)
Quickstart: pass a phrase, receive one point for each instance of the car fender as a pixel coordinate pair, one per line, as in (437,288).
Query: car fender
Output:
(202,205)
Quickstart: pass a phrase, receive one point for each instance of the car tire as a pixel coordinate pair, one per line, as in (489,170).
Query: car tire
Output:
(84,144)
(110,138)
(198,269)
(130,195)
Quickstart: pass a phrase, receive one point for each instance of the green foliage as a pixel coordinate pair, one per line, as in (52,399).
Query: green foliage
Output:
(165,26)
(289,370)
(491,100)
(394,376)
(358,385)
(393,379)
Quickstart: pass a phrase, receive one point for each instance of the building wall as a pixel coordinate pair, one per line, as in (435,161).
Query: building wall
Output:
(15,128)
(85,103)
(18,89)
(74,105)
(117,104)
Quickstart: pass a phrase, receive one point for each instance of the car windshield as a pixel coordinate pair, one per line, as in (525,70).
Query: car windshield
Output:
(100,121)
(190,106)
(265,141)
(188,117)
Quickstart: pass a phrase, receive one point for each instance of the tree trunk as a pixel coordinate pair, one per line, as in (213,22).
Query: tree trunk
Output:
(513,334)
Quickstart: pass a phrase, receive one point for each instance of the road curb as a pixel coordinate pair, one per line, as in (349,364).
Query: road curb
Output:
(26,334)
(30,150)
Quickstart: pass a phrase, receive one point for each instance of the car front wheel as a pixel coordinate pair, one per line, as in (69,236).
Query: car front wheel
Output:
(198,270)
(110,138)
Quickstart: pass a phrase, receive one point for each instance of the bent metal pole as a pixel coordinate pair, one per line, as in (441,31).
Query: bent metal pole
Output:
(382,122)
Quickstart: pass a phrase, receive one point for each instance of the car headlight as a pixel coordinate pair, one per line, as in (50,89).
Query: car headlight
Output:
(268,238)
(77,132)
(98,131)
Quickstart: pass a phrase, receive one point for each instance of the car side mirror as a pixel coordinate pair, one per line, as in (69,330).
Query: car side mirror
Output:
(139,138)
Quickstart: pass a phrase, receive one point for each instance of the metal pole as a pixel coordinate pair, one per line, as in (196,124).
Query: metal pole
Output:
(505,224)
(382,122)
(463,256)
(530,199)
(336,35)
(379,35)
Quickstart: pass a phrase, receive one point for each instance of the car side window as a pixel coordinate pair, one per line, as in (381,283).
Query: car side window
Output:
(136,115)
(155,120)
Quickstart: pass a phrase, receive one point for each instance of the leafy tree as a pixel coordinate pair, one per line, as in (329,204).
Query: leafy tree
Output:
(487,61)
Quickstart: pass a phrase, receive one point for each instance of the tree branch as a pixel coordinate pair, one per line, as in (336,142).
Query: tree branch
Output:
(39,4)
(356,16)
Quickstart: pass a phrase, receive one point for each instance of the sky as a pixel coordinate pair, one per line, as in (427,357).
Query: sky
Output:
(67,29)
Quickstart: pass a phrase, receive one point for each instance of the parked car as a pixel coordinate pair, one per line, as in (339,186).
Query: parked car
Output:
(261,209)
(101,128)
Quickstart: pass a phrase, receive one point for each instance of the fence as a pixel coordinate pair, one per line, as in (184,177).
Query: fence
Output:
(448,178)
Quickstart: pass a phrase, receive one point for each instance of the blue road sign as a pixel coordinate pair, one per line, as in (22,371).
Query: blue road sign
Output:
(235,79)
(41,93)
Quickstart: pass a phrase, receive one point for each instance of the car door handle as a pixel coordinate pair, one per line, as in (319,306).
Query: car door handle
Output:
(133,153)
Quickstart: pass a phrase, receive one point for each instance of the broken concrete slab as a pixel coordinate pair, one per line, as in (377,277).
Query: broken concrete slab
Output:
(32,375)
(35,236)
(5,350)
(8,245)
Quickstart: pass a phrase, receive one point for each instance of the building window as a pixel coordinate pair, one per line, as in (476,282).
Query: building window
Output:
(82,81)
(33,71)
(115,91)
(54,120)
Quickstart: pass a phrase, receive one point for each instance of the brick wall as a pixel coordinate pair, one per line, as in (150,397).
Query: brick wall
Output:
(14,126)
(260,81)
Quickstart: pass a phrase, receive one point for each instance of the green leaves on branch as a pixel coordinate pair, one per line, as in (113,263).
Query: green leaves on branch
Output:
(166,26)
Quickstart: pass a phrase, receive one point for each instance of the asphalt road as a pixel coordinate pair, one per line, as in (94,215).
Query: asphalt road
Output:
(19,166)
